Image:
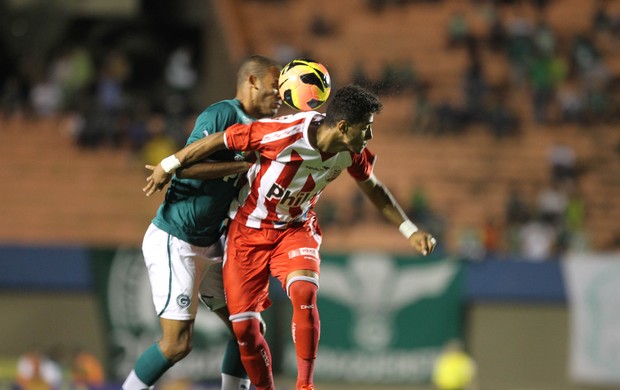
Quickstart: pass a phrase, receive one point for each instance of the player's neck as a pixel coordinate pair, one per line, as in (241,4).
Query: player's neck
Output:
(326,139)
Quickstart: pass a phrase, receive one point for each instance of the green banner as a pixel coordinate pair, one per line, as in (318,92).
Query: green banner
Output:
(384,319)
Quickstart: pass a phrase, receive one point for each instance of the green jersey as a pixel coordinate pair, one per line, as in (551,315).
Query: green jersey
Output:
(194,210)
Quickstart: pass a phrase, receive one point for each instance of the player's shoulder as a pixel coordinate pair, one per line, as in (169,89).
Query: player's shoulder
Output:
(303,116)
(229,107)
(220,115)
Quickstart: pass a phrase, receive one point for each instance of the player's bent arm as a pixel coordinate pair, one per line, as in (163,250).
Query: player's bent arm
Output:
(212,169)
(383,200)
(192,153)
(201,149)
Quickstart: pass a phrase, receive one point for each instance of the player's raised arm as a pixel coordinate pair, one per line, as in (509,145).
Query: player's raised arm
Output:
(192,153)
(383,200)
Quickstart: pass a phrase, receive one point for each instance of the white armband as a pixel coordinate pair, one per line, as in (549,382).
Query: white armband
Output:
(407,228)
(170,164)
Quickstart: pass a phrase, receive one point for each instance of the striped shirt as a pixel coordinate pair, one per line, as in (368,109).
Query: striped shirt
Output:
(290,174)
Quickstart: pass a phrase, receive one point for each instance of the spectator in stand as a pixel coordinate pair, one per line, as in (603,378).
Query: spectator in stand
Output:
(548,72)
(12,98)
(571,103)
(424,121)
(110,94)
(538,240)
(551,205)
(562,163)
(181,77)
(38,371)
(517,209)
(87,371)
(520,30)
(543,37)
(74,71)
(575,220)
(503,121)
(458,29)
(474,85)
(492,237)
(497,34)
(45,98)
(160,144)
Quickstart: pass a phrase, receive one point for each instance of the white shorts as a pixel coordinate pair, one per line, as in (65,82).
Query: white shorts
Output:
(181,274)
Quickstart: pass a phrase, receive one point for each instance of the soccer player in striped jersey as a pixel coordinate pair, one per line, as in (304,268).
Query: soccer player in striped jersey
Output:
(183,248)
(273,228)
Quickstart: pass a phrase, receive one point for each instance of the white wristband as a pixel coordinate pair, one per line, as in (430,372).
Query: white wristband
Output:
(170,164)
(407,228)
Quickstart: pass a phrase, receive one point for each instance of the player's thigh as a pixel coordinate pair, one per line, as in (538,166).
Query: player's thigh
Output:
(297,250)
(212,287)
(176,269)
(246,270)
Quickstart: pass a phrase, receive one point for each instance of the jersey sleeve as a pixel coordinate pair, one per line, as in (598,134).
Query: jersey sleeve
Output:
(244,136)
(362,166)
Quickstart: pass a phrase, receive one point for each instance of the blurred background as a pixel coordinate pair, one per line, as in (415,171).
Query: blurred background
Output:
(499,135)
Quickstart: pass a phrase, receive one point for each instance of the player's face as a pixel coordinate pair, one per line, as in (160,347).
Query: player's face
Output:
(268,99)
(359,134)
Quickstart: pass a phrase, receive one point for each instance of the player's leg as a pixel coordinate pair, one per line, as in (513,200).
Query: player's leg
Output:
(246,281)
(254,350)
(233,374)
(305,324)
(174,345)
(174,272)
(296,263)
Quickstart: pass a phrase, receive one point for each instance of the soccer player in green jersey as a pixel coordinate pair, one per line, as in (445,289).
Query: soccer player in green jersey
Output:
(183,245)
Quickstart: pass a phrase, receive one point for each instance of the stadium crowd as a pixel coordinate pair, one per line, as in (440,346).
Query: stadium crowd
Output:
(109,100)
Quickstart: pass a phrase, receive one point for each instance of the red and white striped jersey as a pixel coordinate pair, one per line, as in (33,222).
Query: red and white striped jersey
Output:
(290,174)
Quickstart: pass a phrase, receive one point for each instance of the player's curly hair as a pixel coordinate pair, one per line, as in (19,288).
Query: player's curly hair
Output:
(353,104)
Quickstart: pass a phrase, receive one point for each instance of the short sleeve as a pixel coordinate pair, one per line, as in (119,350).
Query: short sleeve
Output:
(245,137)
(362,166)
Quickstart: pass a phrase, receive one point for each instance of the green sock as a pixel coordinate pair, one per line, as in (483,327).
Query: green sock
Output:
(151,365)
(231,364)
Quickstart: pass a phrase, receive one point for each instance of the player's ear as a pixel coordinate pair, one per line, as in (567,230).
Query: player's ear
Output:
(343,126)
(253,80)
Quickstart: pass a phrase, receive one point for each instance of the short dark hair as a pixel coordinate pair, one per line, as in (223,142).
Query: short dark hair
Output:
(256,65)
(351,103)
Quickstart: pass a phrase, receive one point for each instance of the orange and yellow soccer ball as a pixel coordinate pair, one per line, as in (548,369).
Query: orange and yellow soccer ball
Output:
(304,84)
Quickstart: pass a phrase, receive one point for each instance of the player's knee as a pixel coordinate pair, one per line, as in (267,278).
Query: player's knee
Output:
(303,294)
(248,332)
(177,350)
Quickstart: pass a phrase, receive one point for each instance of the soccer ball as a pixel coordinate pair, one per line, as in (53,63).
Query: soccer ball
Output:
(304,84)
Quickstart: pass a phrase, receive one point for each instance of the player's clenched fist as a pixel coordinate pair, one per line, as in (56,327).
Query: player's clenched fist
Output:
(423,242)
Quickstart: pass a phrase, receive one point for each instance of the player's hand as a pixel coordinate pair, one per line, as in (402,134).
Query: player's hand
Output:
(157,180)
(423,242)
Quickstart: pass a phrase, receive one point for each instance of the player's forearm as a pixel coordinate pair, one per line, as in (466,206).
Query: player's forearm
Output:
(382,199)
(212,170)
(201,149)
(193,153)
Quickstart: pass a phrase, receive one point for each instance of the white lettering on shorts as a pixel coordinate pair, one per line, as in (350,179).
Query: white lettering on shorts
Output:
(308,253)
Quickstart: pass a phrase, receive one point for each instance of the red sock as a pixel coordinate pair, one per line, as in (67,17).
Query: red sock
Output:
(305,328)
(255,353)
